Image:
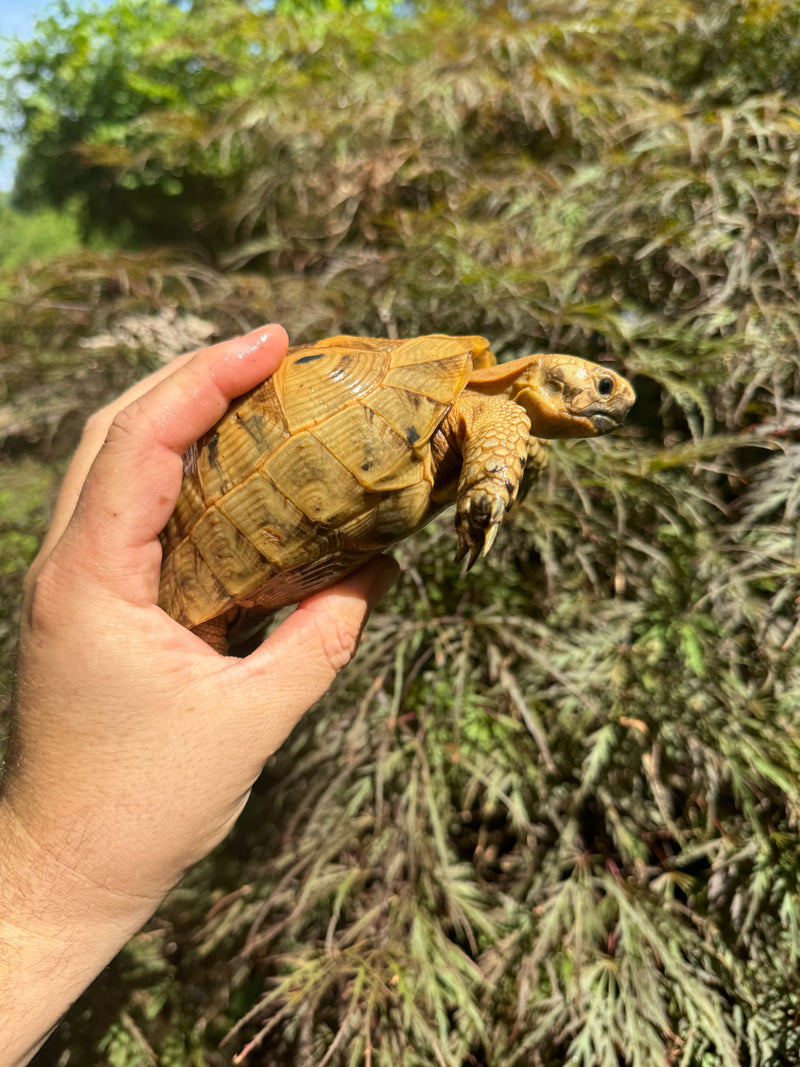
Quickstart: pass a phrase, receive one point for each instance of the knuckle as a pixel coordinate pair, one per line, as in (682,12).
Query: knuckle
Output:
(338,641)
(46,594)
(128,422)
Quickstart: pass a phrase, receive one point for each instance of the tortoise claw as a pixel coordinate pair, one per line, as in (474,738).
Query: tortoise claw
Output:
(488,540)
(474,552)
(467,547)
(477,530)
(499,509)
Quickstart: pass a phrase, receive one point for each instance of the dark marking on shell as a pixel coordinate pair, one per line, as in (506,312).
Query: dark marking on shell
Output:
(242,540)
(341,371)
(412,435)
(310,358)
(211,448)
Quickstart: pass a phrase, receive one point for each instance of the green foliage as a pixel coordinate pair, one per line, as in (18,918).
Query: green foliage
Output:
(26,494)
(99,91)
(39,236)
(550,814)
(85,80)
(742,47)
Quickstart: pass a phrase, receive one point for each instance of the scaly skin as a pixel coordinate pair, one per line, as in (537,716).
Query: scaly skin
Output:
(495,427)
(492,434)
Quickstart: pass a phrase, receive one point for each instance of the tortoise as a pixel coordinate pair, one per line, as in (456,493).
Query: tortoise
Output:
(353,444)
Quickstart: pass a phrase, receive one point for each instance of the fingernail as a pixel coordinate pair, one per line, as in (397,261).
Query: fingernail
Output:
(255,339)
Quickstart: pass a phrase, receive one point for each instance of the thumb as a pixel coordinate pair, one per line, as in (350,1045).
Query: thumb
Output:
(298,661)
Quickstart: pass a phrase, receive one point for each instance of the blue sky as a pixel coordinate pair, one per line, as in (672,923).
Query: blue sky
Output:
(18,16)
(17,19)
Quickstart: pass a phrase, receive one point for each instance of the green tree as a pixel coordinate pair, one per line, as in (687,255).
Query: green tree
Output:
(87,90)
(92,96)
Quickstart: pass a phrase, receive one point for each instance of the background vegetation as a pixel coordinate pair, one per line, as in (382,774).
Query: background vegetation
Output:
(550,814)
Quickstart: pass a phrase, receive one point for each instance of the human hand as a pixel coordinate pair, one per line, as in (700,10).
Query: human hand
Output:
(135,745)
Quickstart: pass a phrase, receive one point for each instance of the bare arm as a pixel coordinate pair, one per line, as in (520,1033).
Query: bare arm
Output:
(135,745)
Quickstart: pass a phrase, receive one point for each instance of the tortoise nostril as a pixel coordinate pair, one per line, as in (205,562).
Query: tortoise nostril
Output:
(605,387)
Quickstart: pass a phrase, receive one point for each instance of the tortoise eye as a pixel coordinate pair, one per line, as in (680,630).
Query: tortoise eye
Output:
(605,387)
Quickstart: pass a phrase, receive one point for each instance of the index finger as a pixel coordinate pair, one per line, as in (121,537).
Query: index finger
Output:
(130,454)
(94,434)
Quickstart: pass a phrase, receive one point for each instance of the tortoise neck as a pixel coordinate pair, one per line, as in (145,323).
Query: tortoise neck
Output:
(504,378)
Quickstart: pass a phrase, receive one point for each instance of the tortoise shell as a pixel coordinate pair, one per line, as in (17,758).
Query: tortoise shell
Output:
(316,470)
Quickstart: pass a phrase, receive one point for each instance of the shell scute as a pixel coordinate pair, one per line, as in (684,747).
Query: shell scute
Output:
(301,579)
(440,380)
(376,455)
(414,416)
(190,588)
(422,351)
(314,385)
(229,554)
(189,506)
(239,443)
(267,518)
(393,515)
(309,474)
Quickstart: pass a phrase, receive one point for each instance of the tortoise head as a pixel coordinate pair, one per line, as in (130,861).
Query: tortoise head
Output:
(565,396)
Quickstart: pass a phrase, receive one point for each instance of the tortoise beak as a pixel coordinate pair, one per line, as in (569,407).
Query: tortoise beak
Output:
(603,420)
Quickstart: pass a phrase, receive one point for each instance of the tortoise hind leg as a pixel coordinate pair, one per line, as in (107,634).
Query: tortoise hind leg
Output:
(234,633)
(215,633)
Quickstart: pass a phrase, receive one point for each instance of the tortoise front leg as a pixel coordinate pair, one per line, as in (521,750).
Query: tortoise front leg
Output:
(492,434)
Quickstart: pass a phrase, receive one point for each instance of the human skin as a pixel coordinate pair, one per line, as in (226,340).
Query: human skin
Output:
(135,745)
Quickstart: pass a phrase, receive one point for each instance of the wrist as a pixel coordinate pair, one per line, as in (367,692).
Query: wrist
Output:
(59,877)
(57,931)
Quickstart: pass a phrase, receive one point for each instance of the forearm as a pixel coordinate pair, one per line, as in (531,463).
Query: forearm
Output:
(57,932)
